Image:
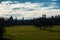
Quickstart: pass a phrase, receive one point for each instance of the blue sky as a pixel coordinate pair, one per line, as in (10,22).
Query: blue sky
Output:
(29,9)
(31,0)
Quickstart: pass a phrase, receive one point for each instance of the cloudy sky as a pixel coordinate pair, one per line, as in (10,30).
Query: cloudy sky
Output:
(29,9)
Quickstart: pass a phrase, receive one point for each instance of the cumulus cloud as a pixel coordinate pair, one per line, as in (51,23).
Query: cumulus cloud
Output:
(27,9)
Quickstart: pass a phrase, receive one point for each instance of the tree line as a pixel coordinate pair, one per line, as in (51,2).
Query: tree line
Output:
(42,21)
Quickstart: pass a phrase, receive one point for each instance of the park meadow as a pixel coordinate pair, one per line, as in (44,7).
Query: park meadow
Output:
(25,32)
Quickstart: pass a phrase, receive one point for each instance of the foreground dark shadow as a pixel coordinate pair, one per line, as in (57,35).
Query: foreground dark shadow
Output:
(4,39)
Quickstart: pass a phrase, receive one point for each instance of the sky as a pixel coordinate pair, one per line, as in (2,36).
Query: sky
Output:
(29,9)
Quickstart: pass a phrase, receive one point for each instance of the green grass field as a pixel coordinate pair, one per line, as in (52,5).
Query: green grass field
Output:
(29,33)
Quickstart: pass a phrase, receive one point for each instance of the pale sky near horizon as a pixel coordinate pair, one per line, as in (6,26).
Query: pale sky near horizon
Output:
(29,8)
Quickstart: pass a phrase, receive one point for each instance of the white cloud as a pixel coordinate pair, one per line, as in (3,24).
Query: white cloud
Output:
(27,9)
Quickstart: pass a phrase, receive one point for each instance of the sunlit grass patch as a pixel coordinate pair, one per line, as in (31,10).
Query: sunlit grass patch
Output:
(29,33)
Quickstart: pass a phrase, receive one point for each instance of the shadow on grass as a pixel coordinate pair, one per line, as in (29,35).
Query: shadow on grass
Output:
(58,31)
(4,39)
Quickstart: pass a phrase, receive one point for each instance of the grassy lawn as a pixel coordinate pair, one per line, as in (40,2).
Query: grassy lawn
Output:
(29,33)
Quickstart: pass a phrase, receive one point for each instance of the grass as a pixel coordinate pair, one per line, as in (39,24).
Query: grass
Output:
(29,33)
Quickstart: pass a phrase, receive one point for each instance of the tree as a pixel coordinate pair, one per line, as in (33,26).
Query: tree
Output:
(10,21)
(2,27)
